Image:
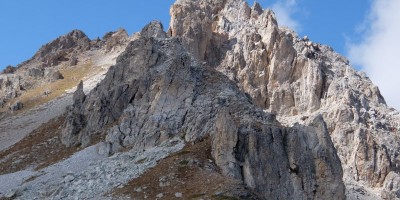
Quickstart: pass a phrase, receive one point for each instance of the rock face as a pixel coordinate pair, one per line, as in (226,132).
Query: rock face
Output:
(9,86)
(301,160)
(298,80)
(112,40)
(158,91)
(74,120)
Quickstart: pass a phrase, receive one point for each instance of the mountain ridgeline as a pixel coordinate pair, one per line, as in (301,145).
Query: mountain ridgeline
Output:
(287,117)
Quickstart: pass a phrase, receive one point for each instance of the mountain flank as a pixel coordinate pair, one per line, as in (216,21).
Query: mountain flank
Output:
(225,97)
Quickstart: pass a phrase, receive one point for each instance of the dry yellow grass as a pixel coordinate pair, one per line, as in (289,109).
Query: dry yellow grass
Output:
(72,76)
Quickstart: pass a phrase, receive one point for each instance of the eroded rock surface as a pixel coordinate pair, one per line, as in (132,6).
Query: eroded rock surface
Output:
(288,117)
(157,91)
(297,79)
(301,160)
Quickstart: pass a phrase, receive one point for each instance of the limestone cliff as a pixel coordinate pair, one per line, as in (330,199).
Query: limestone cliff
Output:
(225,70)
(158,91)
(297,79)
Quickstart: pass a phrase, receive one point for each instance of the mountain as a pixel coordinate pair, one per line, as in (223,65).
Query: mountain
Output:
(224,96)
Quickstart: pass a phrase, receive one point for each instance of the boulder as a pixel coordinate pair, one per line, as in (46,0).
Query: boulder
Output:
(55,75)
(16,106)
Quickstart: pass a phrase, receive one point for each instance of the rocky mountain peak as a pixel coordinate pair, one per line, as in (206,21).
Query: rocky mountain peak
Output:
(157,91)
(119,33)
(55,51)
(257,8)
(112,40)
(153,29)
(287,117)
(292,77)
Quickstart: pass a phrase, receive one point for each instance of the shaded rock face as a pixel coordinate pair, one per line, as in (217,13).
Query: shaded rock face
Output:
(296,79)
(301,160)
(74,121)
(158,91)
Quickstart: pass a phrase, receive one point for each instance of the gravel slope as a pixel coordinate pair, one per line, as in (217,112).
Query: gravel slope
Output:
(15,128)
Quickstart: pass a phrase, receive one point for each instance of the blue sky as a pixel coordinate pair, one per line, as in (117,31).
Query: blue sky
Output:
(350,27)
(26,25)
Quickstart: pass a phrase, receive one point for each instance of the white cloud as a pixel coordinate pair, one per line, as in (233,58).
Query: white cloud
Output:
(379,51)
(285,10)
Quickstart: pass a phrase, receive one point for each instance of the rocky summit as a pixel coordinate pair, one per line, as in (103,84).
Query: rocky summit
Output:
(225,104)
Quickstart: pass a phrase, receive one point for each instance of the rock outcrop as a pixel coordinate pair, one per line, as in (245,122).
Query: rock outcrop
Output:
(115,39)
(279,163)
(74,121)
(289,118)
(9,86)
(57,51)
(297,79)
(9,69)
(66,51)
(157,91)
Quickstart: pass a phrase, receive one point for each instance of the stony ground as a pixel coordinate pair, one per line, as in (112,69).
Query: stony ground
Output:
(53,172)
(39,149)
(30,148)
(15,128)
(86,174)
(188,174)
